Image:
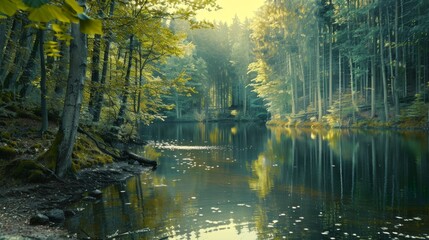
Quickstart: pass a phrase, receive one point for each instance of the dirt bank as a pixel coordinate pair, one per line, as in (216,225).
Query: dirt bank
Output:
(19,202)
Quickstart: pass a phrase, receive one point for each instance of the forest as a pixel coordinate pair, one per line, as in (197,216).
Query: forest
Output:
(81,80)
(111,65)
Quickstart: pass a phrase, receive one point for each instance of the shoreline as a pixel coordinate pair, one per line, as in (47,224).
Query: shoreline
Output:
(20,202)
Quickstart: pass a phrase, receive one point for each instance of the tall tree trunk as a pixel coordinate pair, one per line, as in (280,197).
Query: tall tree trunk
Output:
(61,71)
(178,111)
(21,57)
(244,96)
(319,89)
(340,93)
(351,66)
(124,98)
(293,85)
(383,73)
(95,73)
(397,59)
(29,71)
(99,97)
(373,86)
(43,89)
(302,78)
(330,65)
(10,48)
(373,67)
(61,149)
(4,32)
(354,106)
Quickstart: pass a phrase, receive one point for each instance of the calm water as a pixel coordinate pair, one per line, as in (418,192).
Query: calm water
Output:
(246,181)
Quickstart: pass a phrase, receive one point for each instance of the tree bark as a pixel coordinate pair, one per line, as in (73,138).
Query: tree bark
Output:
(66,135)
(43,89)
(61,72)
(30,71)
(319,89)
(21,56)
(10,48)
(330,65)
(4,31)
(124,98)
(383,73)
(95,74)
(397,59)
(99,97)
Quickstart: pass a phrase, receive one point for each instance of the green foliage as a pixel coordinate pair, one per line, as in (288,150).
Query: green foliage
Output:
(10,7)
(342,110)
(415,114)
(90,26)
(44,11)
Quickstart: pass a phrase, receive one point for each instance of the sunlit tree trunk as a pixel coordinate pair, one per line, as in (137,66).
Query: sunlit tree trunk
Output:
(350,57)
(292,79)
(340,80)
(99,97)
(303,79)
(318,84)
(124,95)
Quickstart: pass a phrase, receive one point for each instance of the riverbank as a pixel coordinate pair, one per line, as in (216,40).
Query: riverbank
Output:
(363,124)
(21,201)
(25,191)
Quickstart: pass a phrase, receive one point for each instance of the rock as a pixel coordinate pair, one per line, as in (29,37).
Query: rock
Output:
(69,213)
(39,219)
(89,199)
(56,215)
(96,194)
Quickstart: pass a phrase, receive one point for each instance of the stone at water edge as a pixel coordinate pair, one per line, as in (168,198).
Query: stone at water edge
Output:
(96,194)
(39,219)
(56,215)
(89,199)
(69,213)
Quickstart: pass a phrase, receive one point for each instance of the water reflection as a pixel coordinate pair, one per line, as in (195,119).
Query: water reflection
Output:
(229,181)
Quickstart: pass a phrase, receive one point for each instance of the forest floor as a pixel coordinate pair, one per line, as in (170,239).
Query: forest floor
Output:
(19,200)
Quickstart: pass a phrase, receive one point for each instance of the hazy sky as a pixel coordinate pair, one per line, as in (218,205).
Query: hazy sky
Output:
(243,9)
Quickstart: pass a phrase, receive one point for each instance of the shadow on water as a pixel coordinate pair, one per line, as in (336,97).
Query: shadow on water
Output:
(246,181)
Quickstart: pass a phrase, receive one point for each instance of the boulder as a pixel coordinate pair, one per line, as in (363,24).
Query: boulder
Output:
(96,194)
(56,215)
(69,213)
(39,219)
(89,199)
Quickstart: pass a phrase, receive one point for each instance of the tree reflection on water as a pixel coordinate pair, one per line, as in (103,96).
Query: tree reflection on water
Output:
(244,181)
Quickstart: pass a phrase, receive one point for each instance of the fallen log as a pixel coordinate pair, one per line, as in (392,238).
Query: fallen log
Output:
(140,159)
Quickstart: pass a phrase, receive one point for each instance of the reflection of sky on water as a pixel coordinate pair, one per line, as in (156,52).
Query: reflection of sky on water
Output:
(247,182)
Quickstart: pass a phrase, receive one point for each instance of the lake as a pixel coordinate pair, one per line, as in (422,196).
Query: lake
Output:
(249,181)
